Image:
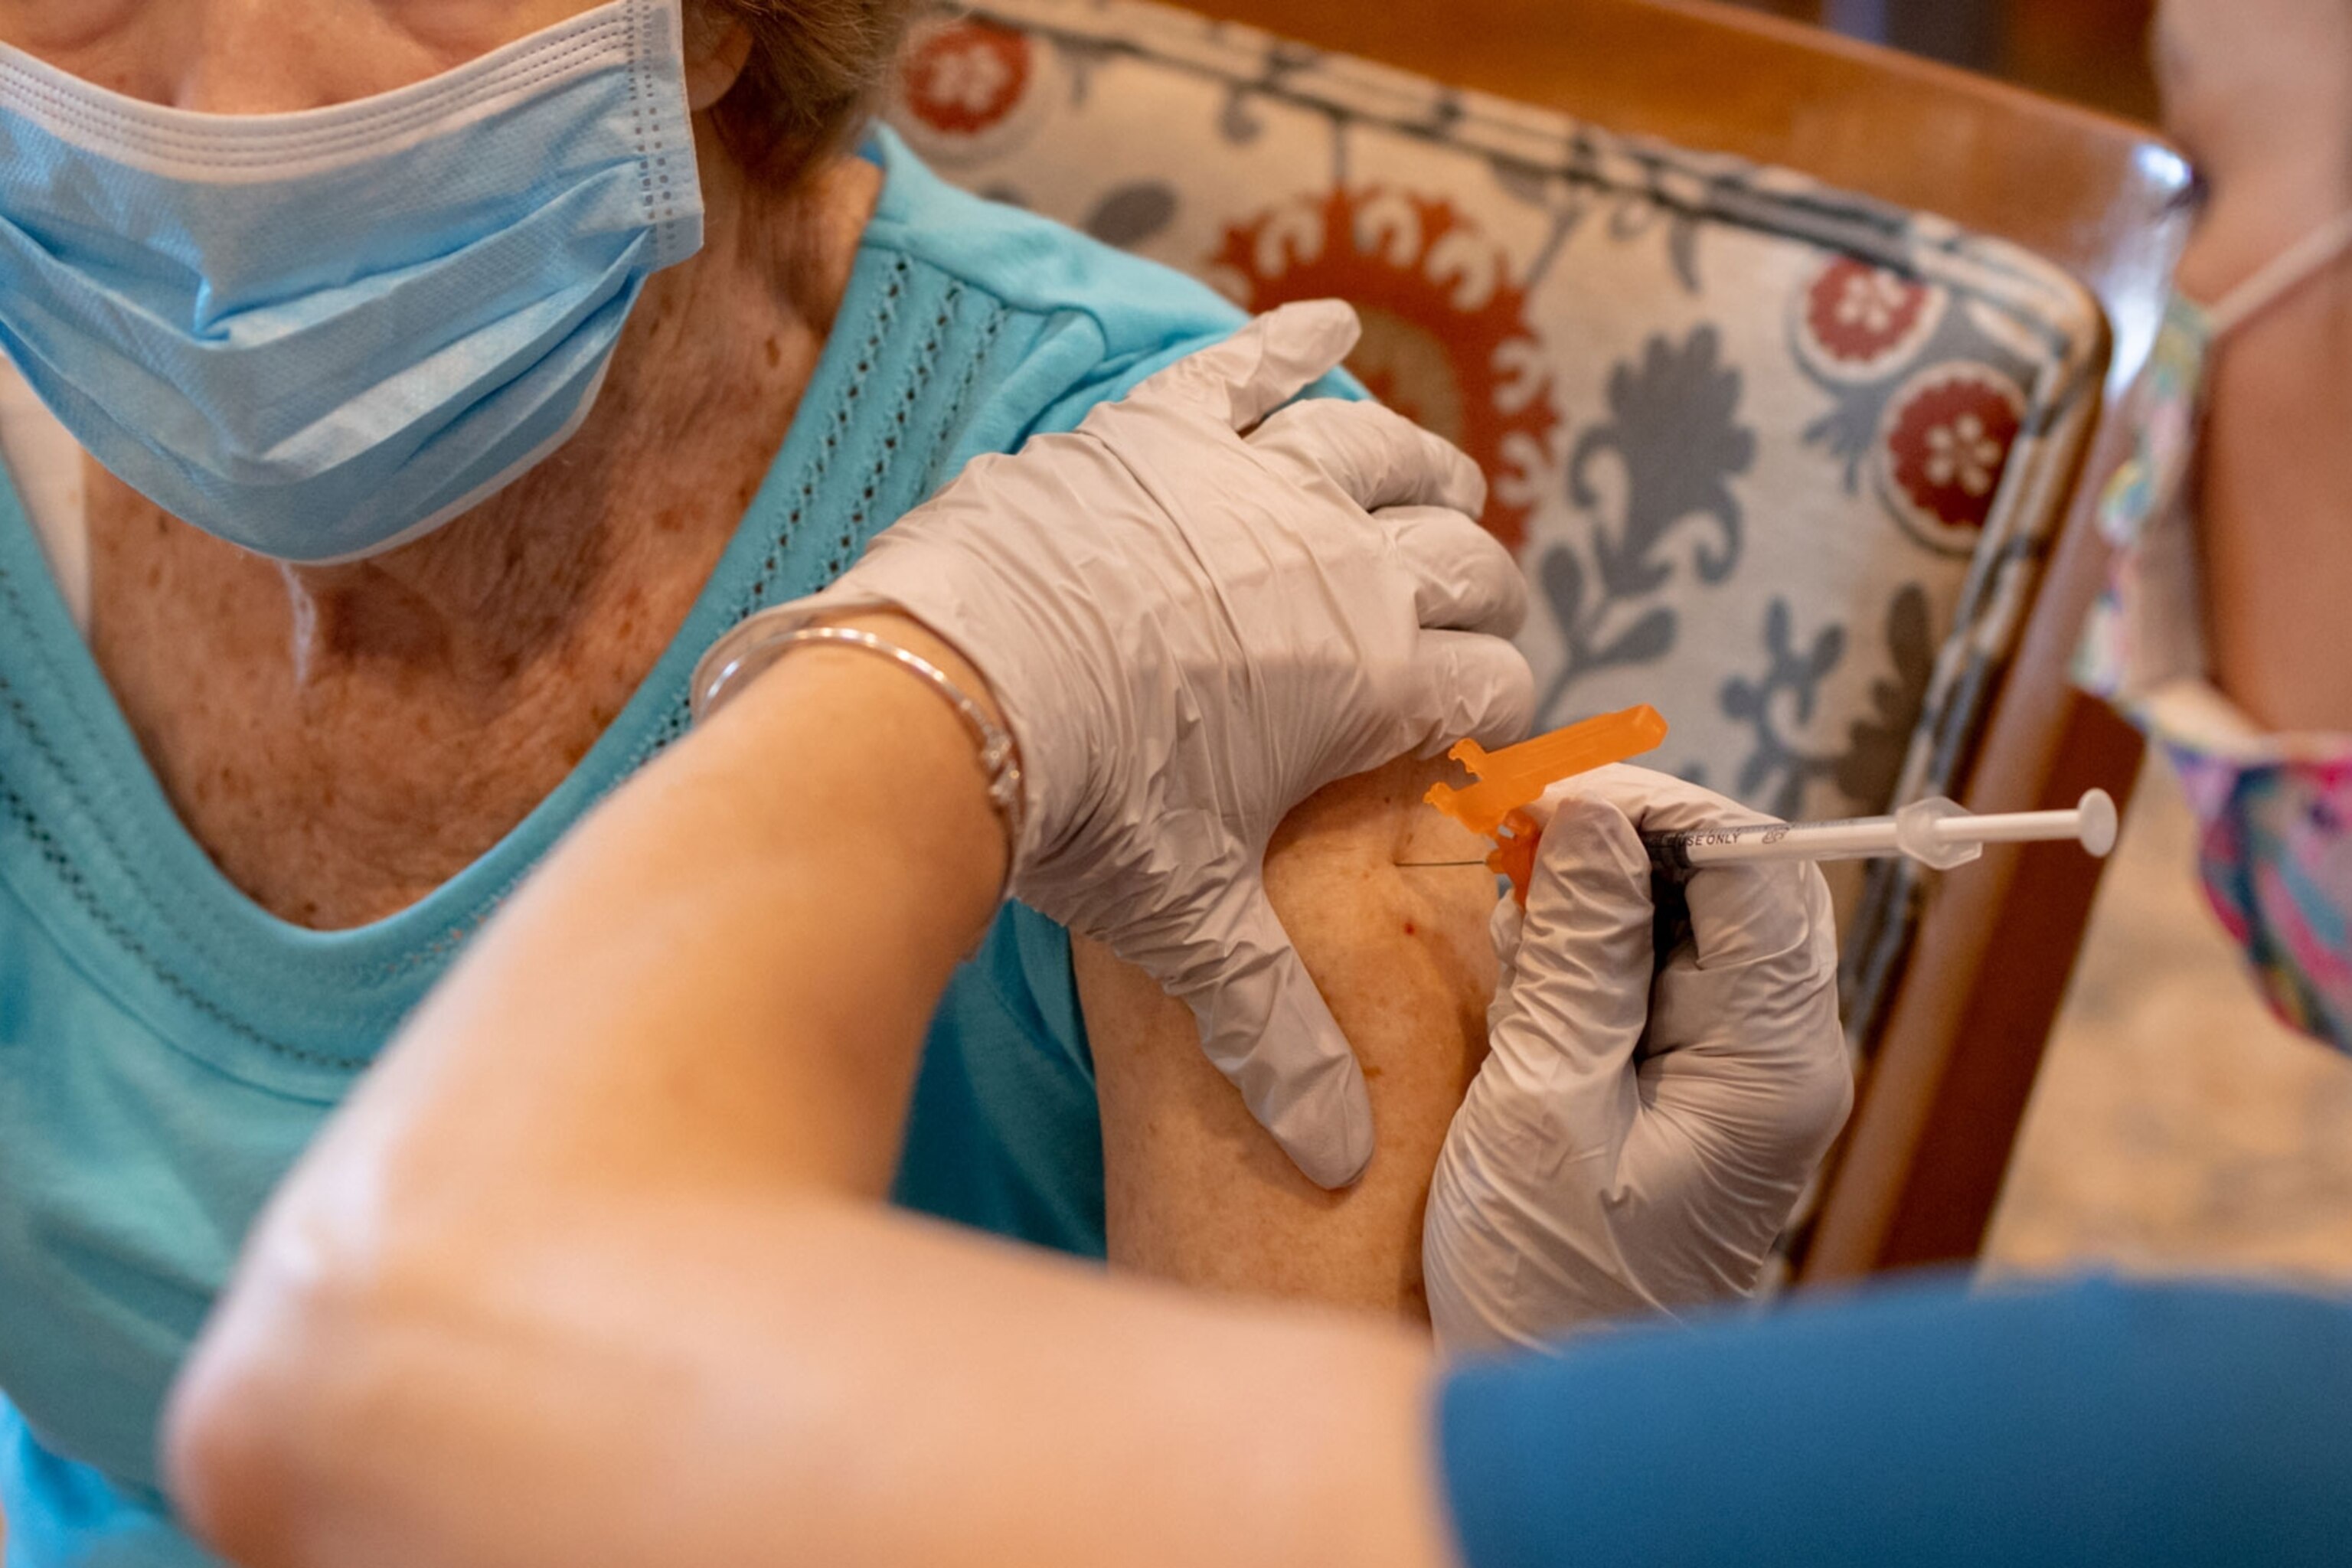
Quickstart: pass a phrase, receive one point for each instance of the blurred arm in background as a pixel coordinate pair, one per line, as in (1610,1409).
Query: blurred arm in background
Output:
(2259,94)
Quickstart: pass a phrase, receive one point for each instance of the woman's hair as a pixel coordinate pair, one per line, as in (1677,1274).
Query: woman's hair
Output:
(813,74)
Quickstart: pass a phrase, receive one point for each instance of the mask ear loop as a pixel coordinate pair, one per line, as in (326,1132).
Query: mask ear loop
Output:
(2284,272)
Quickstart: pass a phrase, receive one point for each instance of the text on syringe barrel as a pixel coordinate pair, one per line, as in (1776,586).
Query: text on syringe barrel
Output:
(1853,839)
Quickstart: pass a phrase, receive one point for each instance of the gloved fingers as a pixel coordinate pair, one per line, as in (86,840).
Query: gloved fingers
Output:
(1745,1047)
(1772,913)
(1375,456)
(1705,1220)
(1756,1111)
(1509,1254)
(1586,1174)
(1462,683)
(1504,928)
(1580,978)
(1751,1056)
(1261,367)
(1591,878)
(1463,578)
(1267,1028)
(1772,920)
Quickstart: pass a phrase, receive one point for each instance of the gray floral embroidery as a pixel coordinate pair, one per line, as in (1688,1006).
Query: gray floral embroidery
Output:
(1876,745)
(1081,57)
(1239,121)
(1628,220)
(1675,431)
(1578,187)
(1778,771)
(1132,214)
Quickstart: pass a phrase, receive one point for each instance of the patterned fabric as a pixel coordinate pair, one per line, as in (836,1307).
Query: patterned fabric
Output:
(2274,850)
(2147,630)
(2276,859)
(1781,461)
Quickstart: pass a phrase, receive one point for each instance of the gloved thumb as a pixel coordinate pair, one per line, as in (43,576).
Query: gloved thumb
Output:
(1257,370)
(1505,927)
(1579,978)
(1269,1031)
(1773,914)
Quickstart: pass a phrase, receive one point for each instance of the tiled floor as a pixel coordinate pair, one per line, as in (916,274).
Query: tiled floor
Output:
(2176,1125)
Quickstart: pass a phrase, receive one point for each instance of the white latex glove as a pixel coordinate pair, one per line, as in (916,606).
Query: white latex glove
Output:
(1189,631)
(1635,1141)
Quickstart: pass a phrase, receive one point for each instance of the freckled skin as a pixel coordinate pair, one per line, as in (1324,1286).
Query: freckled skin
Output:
(1197,1192)
(344,739)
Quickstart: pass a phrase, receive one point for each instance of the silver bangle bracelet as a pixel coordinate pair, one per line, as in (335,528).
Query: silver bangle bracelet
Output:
(751,648)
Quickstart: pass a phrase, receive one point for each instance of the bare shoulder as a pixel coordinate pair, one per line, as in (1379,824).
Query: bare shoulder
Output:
(1196,1191)
(1351,873)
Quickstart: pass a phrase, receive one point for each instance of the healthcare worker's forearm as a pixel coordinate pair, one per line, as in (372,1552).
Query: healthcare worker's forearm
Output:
(588,1272)
(741,1381)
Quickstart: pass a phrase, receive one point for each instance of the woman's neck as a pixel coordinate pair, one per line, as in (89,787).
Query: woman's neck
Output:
(344,738)
(521,576)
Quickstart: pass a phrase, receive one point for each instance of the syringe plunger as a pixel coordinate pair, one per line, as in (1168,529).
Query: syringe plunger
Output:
(1936,832)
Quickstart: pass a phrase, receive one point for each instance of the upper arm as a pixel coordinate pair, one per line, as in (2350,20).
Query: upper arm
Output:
(1195,1190)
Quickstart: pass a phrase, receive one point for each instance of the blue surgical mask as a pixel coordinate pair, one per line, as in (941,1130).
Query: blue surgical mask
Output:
(322,334)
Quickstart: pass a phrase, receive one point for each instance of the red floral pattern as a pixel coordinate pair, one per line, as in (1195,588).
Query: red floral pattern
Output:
(1446,340)
(1857,320)
(1947,437)
(967,76)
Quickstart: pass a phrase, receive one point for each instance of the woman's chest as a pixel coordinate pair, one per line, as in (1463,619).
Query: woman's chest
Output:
(342,743)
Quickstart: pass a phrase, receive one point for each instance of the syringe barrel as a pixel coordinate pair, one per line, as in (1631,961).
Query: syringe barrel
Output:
(1856,839)
(1935,832)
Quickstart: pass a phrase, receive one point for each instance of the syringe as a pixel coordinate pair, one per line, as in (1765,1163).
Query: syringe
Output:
(1935,832)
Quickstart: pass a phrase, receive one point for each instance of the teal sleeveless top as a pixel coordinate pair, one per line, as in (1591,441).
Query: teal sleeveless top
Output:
(167,1048)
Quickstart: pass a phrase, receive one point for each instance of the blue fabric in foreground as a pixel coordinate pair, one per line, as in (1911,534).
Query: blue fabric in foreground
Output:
(2095,1423)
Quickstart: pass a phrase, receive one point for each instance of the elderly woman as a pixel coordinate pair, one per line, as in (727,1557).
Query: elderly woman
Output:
(412,392)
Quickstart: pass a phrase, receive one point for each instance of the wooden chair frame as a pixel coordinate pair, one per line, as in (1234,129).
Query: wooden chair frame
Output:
(1954,1061)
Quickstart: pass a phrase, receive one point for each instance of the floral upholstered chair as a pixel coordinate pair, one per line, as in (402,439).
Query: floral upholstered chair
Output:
(1783,461)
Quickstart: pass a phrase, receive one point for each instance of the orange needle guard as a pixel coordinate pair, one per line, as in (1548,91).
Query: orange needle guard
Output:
(1512,777)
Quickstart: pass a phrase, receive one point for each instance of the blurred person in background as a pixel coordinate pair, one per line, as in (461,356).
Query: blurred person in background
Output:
(2224,634)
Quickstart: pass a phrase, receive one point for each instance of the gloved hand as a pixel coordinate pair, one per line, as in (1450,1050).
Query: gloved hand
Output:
(1189,630)
(1635,1141)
